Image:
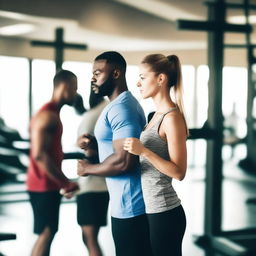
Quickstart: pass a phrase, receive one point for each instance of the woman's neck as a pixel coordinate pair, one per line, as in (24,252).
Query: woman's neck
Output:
(163,103)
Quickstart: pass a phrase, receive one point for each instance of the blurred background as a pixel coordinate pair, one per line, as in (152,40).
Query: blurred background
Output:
(215,41)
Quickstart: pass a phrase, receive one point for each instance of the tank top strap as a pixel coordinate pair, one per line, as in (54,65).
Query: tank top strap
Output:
(163,115)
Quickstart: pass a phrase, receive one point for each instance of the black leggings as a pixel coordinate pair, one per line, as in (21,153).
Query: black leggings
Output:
(131,236)
(166,232)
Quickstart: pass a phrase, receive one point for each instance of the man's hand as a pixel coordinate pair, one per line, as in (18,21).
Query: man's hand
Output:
(82,166)
(87,141)
(69,190)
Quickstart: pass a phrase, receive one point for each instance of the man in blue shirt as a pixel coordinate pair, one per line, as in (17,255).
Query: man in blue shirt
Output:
(123,117)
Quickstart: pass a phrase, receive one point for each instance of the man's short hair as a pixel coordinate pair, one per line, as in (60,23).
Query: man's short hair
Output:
(63,76)
(113,58)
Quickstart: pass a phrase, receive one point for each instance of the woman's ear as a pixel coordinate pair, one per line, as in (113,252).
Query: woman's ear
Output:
(162,78)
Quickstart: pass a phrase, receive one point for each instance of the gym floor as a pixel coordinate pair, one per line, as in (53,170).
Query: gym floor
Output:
(237,213)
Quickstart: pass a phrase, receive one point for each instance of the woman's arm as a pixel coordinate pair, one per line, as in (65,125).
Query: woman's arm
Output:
(174,131)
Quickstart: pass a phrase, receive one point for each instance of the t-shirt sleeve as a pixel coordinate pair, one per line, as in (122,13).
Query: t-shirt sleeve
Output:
(125,122)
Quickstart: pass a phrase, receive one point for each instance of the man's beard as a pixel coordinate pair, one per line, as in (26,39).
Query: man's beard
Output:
(105,89)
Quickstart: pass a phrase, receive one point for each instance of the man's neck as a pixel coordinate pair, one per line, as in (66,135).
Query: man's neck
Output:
(58,103)
(115,94)
(117,91)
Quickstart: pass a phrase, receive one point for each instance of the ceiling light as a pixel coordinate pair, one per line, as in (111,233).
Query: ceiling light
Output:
(16,29)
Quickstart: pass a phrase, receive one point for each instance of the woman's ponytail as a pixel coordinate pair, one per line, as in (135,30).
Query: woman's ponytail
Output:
(175,82)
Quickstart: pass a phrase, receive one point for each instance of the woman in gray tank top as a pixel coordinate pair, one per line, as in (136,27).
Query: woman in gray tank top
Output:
(162,151)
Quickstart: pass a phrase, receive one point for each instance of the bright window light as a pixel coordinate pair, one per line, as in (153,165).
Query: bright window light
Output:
(14,86)
(188,79)
(242,19)
(43,72)
(234,105)
(202,95)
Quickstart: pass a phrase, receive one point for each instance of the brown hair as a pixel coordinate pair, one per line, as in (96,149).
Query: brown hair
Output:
(171,67)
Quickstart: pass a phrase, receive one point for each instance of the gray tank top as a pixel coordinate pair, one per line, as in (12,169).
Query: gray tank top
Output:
(158,193)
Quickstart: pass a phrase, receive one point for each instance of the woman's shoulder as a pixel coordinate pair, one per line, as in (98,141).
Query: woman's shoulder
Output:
(174,121)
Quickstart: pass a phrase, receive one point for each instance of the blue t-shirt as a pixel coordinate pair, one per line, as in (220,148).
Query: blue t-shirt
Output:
(121,118)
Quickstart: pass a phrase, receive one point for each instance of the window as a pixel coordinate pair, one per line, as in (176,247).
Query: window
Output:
(234,105)
(189,90)
(14,92)
(43,72)
(201,95)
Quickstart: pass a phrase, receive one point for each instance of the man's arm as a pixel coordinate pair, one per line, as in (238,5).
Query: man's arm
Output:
(42,134)
(117,163)
(88,144)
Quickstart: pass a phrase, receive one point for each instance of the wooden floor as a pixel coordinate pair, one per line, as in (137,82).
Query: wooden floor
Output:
(238,186)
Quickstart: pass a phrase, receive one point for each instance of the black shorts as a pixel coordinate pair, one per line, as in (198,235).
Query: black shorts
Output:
(92,208)
(45,207)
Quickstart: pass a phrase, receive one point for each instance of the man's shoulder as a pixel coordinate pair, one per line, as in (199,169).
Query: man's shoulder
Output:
(46,114)
(126,102)
(120,109)
(45,118)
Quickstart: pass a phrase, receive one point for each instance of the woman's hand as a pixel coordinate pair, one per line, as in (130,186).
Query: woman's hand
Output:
(133,146)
